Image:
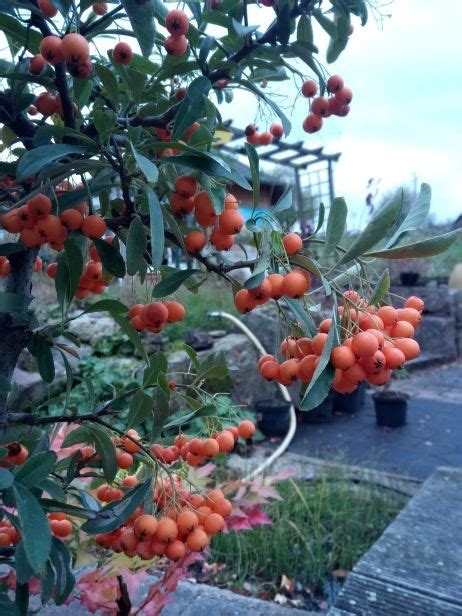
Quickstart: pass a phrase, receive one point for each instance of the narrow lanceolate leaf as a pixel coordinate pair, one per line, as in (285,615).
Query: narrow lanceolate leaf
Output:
(319,386)
(132,334)
(416,215)
(34,160)
(136,246)
(161,413)
(321,214)
(110,257)
(157,228)
(60,560)
(254,168)
(104,445)
(35,529)
(417,250)
(377,228)
(114,514)
(249,85)
(192,107)
(36,468)
(113,306)
(70,267)
(381,288)
(6,479)
(172,282)
(147,167)
(302,316)
(141,15)
(157,363)
(336,223)
(140,409)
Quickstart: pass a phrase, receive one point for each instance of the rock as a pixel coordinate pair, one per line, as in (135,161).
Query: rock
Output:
(31,389)
(153,343)
(198,339)
(457,303)
(217,333)
(93,327)
(266,326)
(437,336)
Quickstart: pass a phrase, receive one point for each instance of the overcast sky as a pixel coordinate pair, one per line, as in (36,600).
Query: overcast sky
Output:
(405,119)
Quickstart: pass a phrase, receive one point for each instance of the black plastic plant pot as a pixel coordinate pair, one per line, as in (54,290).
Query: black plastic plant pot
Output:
(273,416)
(390,409)
(321,414)
(349,403)
(409,279)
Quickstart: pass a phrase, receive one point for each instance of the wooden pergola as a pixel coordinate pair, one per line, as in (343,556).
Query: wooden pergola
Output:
(312,167)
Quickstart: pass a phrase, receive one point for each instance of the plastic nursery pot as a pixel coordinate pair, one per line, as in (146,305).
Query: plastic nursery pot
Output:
(321,414)
(390,409)
(273,416)
(349,403)
(409,279)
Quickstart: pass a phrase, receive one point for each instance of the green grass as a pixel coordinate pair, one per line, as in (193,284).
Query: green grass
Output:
(318,527)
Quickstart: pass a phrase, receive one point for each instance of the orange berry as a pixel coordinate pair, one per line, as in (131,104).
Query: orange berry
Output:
(307,367)
(155,314)
(221,240)
(51,49)
(394,357)
(231,202)
(38,264)
(292,243)
(129,445)
(11,222)
(379,378)
(288,370)
(244,301)
(411,315)
(276,281)
(295,285)
(342,357)
(124,460)
(195,241)
(246,429)
(324,326)
(145,526)
(210,448)
(130,481)
(48,8)
(187,521)
(167,530)
(205,212)
(374,362)
(94,226)
(402,329)
(197,540)
(225,440)
(222,506)
(318,342)
(186,186)
(46,104)
(176,312)
(181,205)
(230,222)
(122,53)
(270,371)
(364,344)
(36,65)
(72,219)
(388,314)
(176,45)
(355,374)
(309,88)
(175,550)
(75,48)
(177,22)
(61,528)
(129,541)
(196,446)
(214,523)
(265,358)
(100,8)
(414,302)
(409,347)
(39,205)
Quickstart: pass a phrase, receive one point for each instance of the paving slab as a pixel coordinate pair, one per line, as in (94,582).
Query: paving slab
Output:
(415,568)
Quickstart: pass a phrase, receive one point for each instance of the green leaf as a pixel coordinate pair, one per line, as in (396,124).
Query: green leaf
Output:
(338,44)
(336,223)
(161,413)
(116,513)
(45,360)
(21,35)
(381,288)
(61,562)
(254,168)
(35,529)
(192,107)
(109,81)
(304,30)
(302,316)
(52,505)
(132,335)
(284,201)
(70,268)
(417,250)
(327,24)
(253,88)
(47,132)
(140,409)
(33,161)
(321,214)
(172,282)
(47,582)
(157,228)
(416,215)
(137,243)
(306,263)
(141,16)
(113,306)
(6,479)
(148,168)
(36,468)
(23,569)
(214,367)
(110,257)
(157,364)
(192,354)
(205,162)
(105,121)
(319,386)
(104,445)
(377,228)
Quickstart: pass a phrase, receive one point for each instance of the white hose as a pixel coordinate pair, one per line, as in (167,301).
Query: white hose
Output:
(285,393)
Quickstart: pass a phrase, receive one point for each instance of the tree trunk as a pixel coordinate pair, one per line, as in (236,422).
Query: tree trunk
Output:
(14,328)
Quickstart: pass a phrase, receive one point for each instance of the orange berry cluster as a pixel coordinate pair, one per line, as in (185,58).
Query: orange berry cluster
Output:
(337,104)
(377,341)
(8,534)
(60,525)
(154,316)
(188,522)
(276,131)
(177,24)
(91,281)
(37,225)
(5,266)
(73,48)
(195,451)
